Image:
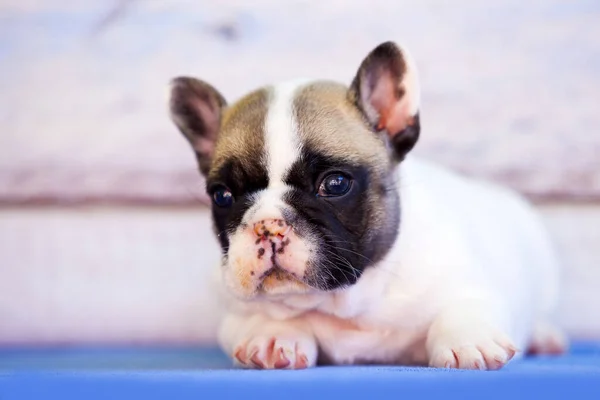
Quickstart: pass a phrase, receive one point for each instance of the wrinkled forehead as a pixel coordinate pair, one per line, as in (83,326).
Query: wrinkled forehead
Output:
(270,129)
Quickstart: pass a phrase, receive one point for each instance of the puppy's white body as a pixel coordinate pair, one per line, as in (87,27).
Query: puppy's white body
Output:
(464,245)
(470,278)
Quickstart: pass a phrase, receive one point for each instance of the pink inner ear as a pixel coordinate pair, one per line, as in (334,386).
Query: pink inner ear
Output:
(209,114)
(393,112)
(204,146)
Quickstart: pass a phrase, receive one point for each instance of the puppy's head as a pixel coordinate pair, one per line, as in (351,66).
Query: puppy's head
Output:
(302,174)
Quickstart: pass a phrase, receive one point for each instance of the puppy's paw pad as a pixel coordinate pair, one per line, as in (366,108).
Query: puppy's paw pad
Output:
(271,353)
(486,354)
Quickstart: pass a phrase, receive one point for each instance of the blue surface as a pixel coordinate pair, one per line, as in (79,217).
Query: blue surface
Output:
(186,373)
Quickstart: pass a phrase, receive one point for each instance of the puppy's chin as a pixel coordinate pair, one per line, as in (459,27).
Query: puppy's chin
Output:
(280,282)
(274,283)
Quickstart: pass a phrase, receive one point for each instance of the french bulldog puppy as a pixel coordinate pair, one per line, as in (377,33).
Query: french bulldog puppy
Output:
(338,248)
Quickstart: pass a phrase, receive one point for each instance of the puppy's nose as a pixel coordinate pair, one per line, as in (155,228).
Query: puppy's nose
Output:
(271,227)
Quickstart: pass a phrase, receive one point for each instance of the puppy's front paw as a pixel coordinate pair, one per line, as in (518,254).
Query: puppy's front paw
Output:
(466,335)
(482,349)
(270,352)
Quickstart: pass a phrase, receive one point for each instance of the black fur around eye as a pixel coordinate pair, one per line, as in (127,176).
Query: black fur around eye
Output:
(334,185)
(222,197)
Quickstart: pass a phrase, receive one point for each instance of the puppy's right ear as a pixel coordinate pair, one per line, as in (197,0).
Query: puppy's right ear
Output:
(196,109)
(386,90)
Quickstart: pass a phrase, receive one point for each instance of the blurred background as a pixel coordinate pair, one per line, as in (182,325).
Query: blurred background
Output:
(104,228)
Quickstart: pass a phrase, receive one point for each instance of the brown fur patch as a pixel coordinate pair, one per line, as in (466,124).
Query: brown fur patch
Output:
(242,133)
(328,121)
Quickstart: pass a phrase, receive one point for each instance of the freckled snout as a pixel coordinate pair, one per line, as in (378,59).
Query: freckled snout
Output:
(271,228)
(278,263)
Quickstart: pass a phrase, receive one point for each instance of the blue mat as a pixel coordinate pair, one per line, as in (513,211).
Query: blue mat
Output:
(183,373)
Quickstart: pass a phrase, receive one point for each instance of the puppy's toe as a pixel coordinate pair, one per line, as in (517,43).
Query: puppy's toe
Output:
(485,353)
(274,353)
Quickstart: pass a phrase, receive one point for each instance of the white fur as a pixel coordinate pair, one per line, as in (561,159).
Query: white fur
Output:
(282,146)
(281,136)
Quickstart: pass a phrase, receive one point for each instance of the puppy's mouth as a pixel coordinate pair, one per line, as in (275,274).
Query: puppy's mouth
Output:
(277,279)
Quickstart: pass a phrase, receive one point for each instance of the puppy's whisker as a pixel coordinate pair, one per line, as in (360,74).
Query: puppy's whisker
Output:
(335,267)
(353,252)
(345,262)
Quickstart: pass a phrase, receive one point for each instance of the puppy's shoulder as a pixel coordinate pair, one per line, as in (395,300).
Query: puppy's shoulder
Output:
(449,188)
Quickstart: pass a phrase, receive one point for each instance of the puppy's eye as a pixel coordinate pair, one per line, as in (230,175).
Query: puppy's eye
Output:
(334,185)
(222,197)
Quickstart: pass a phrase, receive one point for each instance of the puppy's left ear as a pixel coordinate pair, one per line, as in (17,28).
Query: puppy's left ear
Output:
(386,90)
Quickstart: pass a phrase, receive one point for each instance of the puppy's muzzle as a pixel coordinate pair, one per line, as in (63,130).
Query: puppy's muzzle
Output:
(268,257)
